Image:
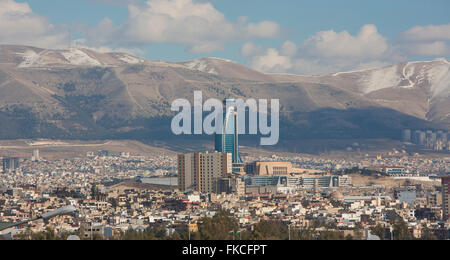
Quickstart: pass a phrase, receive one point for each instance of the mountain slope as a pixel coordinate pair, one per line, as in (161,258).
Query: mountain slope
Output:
(226,68)
(81,93)
(420,89)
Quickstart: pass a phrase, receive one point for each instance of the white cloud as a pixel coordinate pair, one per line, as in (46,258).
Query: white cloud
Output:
(265,29)
(288,49)
(368,43)
(271,61)
(11,7)
(427,33)
(432,40)
(250,49)
(330,51)
(324,52)
(19,25)
(436,49)
(194,24)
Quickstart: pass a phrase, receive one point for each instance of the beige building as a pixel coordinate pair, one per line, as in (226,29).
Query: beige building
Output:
(277,169)
(272,168)
(200,171)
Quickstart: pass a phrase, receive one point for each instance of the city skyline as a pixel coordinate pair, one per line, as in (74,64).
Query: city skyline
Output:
(220,120)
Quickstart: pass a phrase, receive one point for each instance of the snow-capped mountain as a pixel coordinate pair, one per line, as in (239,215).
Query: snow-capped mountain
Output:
(420,89)
(29,57)
(431,76)
(81,92)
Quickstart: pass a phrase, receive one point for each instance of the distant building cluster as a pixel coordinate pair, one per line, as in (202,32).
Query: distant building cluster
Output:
(213,173)
(434,140)
(10,164)
(118,194)
(297,191)
(223,171)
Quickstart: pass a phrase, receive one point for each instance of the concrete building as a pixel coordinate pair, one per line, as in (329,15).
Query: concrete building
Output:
(35,157)
(10,164)
(419,137)
(231,185)
(202,171)
(434,199)
(325,181)
(295,182)
(434,140)
(446,197)
(270,168)
(406,136)
(393,170)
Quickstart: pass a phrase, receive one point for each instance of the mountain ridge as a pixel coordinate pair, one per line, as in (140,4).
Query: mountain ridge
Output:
(82,93)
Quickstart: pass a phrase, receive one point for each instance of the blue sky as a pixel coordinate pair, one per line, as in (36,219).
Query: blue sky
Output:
(278,36)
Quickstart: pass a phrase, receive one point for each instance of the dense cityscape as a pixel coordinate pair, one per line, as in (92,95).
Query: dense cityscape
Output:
(394,195)
(224,128)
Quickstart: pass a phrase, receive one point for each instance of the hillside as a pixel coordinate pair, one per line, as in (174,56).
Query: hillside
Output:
(82,94)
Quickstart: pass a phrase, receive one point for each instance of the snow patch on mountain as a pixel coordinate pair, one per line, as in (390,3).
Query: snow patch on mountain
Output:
(29,59)
(439,78)
(129,59)
(347,72)
(220,59)
(80,58)
(200,65)
(380,79)
(408,72)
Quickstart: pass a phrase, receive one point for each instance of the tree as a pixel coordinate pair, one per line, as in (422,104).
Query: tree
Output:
(159,231)
(379,231)
(349,237)
(175,236)
(330,235)
(113,202)
(221,227)
(427,234)
(47,234)
(307,233)
(270,230)
(401,231)
(306,203)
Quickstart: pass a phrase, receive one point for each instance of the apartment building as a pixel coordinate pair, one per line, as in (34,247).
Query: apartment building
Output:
(201,171)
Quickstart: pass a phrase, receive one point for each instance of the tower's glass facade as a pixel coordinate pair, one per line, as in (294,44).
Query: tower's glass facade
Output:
(228,141)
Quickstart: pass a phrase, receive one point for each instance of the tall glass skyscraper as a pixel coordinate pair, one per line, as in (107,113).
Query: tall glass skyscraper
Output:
(228,141)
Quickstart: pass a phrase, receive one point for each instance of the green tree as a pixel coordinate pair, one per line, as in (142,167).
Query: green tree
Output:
(113,202)
(330,235)
(379,231)
(47,234)
(271,230)
(427,234)
(308,233)
(306,203)
(220,227)
(401,231)
(175,236)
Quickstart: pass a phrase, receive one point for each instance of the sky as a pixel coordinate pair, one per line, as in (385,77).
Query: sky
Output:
(283,36)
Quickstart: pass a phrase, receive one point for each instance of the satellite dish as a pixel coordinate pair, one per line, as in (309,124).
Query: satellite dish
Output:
(73,237)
